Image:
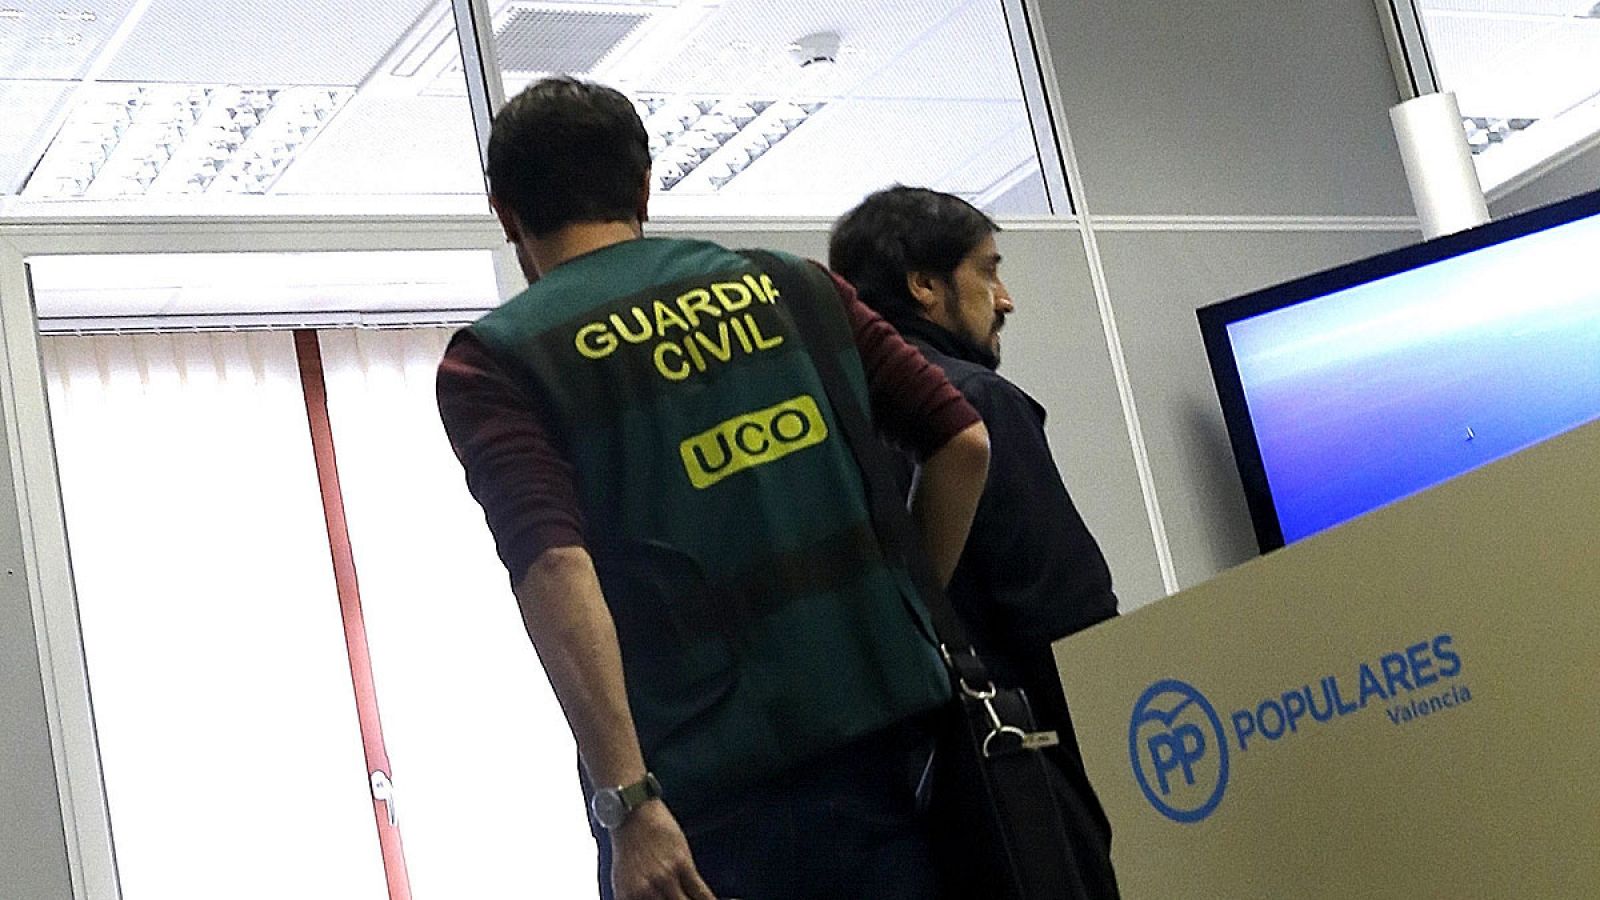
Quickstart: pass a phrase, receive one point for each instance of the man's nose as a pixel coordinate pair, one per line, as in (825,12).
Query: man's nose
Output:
(1002,301)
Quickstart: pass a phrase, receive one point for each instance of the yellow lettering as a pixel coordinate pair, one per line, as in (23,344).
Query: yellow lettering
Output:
(732,295)
(695,356)
(665,317)
(768,288)
(749,428)
(594,341)
(670,373)
(799,425)
(752,439)
(695,302)
(721,349)
(755,288)
(762,342)
(702,462)
(644,326)
(739,332)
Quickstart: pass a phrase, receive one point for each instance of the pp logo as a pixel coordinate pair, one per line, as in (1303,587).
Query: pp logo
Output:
(1178,751)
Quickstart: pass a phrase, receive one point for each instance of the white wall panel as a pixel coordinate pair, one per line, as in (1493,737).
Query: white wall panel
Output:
(1228,107)
(33,861)
(1055,348)
(1158,279)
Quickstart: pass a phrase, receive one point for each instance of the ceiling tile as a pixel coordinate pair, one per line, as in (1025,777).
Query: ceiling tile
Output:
(261,42)
(1515,67)
(1511,7)
(390,145)
(855,146)
(742,47)
(53,40)
(968,57)
(27,108)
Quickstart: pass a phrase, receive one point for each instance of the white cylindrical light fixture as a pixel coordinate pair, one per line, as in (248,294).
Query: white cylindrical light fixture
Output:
(1438,163)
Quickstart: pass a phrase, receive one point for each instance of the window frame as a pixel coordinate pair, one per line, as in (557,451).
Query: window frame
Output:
(46,557)
(47,563)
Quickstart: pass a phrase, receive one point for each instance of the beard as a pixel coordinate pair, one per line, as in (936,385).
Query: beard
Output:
(991,341)
(982,337)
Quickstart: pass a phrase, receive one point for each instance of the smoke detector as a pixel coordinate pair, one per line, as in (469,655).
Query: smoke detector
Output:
(818,48)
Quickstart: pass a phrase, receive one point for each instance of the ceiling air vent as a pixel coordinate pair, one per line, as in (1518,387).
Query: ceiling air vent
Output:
(537,39)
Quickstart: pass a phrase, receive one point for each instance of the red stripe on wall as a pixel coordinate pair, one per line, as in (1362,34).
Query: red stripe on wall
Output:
(308,351)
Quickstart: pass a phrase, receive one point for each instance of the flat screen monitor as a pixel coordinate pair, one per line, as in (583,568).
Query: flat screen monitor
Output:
(1352,388)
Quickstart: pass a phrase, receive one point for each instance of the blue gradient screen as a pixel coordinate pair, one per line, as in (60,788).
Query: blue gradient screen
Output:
(1364,396)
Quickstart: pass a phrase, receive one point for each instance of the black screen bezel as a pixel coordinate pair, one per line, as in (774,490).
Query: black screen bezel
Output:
(1215,319)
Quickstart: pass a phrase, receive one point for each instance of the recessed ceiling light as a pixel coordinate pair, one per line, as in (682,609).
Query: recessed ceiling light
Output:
(132,139)
(719,136)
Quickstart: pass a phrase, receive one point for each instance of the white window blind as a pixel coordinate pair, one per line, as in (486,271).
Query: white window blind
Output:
(484,768)
(222,694)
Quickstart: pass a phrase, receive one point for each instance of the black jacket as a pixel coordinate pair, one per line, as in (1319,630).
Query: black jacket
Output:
(1031,571)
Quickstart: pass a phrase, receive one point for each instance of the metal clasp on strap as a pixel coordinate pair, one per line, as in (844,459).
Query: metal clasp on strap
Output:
(985,693)
(1002,739)
(1010,739)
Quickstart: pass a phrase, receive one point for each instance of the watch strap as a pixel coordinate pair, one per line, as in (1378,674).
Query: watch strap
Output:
(640,792)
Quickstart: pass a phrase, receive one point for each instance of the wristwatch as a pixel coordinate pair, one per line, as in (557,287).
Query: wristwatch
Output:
(611,805)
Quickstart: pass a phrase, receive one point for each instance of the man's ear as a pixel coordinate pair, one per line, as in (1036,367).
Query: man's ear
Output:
(642,205)
(925,289)
(510,222)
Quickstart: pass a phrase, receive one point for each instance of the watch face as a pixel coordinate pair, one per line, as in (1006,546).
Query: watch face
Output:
(609,810)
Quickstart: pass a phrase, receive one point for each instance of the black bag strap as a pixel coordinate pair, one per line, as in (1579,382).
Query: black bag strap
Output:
(826,337)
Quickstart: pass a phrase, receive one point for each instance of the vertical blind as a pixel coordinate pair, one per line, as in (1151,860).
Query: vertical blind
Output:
(212,630)
(216,660)
(484,768)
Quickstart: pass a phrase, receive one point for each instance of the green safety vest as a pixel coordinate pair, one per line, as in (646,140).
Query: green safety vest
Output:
(758,619)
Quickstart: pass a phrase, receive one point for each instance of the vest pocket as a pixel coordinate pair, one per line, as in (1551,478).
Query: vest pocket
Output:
(676,669)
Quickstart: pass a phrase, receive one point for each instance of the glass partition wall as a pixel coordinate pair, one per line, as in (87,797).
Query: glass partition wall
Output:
(185,107)
(800,109)
(233,243)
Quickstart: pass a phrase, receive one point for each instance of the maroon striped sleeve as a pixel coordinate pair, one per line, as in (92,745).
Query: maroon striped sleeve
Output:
(913,404)
(526,488)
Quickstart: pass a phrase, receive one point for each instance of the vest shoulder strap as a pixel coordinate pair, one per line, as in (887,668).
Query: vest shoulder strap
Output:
(820,334)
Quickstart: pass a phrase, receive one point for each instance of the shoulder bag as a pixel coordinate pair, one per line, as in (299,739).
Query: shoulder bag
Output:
(992,794)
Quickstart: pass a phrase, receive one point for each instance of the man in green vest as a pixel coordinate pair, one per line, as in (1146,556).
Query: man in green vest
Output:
(747,670)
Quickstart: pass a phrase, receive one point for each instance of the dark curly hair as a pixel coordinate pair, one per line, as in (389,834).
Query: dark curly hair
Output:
(566,151)
(900,230)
